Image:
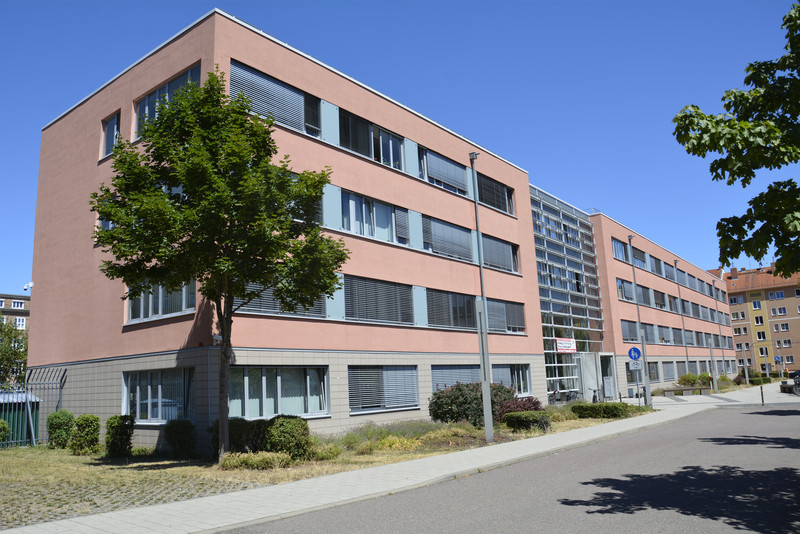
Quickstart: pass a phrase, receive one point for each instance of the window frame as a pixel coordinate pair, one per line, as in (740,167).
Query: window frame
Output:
(320,384)
(148,301)
(156,398)
(370,388)
(109,141)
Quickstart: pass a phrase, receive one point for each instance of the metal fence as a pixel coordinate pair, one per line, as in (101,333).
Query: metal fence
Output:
(25,407)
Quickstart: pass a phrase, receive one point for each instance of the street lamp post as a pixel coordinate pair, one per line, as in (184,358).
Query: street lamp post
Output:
(647,396)
(482,318)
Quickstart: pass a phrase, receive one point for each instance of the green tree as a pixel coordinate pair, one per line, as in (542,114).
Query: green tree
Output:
(197,197)
(13,351)
(759,130)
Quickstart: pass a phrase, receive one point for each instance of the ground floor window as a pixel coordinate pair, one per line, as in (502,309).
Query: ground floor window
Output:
(653,368)
(159,396)
(375,388)
(561,371)
(669,370)
(515,376)
(263,392)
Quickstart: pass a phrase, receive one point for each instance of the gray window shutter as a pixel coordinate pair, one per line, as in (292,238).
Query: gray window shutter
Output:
(401,223)
(365,387)
(515,316)
(447,239)
(267,304)
(446,170)
(377,300)
(497,315)
(387,387)
(501,374)
(493,193)
(445,376)
(498,253)
(400,386)
(269,97)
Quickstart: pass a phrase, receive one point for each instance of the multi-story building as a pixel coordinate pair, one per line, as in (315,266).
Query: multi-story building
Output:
(16,308)
(765,315)
(406,202)
(402,199)
(676,312)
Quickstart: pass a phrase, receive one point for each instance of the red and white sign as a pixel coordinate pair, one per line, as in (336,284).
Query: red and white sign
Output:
(565,345)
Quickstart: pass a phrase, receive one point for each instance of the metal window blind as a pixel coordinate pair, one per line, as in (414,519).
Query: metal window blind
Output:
(367,299)
(269,97)
(267,304)
(493,193)
(445,376)
(450,309)
(498,253)
(401,223)
(446,170)
(382,387)
(354,133)
(497,315)
(447,239)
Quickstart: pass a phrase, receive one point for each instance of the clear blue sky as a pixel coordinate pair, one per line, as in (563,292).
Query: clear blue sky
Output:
(581,94)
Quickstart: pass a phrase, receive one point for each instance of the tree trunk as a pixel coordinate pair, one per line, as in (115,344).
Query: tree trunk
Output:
(225,319)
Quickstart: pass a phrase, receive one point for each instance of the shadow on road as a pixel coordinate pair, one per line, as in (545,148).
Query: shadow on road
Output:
(760,501)
(772,443)
(775,412)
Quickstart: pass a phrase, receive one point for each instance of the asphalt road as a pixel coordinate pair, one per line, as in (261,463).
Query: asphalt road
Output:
(723,470)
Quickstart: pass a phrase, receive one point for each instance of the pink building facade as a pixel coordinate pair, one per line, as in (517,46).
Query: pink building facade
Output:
(682,313)
(402,199)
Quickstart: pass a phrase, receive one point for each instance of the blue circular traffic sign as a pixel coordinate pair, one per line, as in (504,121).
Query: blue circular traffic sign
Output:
(634,353)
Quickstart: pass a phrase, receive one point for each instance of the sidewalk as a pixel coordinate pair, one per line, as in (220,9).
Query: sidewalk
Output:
(222,512)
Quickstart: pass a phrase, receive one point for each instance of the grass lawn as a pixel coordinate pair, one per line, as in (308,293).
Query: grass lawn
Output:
(42,484)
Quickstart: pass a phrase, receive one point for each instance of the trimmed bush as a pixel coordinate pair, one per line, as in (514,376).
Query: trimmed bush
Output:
(464,402)
(704,379)
(256,460)
(289,434)
(5,430)
(59,428)
(520,404)
(688,379)
(526,420)
(119,435)
(85,437)
(601,410)
(181,437)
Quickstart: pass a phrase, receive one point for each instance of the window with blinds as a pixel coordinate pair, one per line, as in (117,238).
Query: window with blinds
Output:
(515,376)
(494,194)
(146,107)
(446,239)
(270,97)
(505,316)
(450,310)
(499,254)
(367,299)
(443,171)
(267,304)
(354,133)
(376,388)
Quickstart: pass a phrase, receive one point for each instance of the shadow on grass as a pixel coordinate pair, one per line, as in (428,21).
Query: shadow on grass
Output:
(149,463)
(759,501)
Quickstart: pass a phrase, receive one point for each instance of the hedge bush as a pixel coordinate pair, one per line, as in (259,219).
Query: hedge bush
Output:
(704,379)
(181,437)
(464,402)
(85,437)
(256,460)
(527,420)
(59,428)
(601,410)
(119,435)
(520,404)
(289,434)
(5,430)
(689,379)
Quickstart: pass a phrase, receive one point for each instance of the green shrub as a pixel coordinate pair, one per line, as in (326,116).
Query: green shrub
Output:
(526,420)
(464,402)
(688,379)
(86,435)
(181,437)
(704,379)
(119,435)
(256,460)
(240,436)
(141,452)
(399,443)
(59,428)
(601,410)
(562,412)
(5,430)
(324,451)
(520,404)
(289,434)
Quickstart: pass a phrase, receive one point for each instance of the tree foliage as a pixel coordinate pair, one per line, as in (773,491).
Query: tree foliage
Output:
(759,130)
(13,351)
(197,197)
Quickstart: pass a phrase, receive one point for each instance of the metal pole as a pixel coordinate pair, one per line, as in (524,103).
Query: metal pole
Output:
(713,362)
(482,317)
(683,321)
(647,398)
(744,362)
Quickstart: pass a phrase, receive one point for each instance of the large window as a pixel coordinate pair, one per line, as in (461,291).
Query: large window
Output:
(262,392)
(495,194)
(374,388)
(368,217)
(505,316)
(624,290)
(266,303)
(630,331)
(620,249)
(447,239)
(147,107)
(158,302)
(386,148)
(500,254)
(515,376)
(442,171)
(367,299)
(159,396)
(110,134)
(354,133)
(639,258)
(451,310)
